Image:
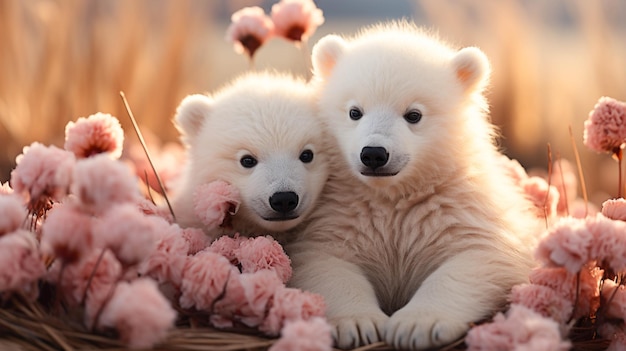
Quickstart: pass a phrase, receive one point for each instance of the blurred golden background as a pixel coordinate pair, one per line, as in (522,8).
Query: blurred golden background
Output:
(64,59)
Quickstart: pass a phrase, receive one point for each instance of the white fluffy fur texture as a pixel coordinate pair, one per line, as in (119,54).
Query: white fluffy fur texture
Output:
(436,241)
(269,116)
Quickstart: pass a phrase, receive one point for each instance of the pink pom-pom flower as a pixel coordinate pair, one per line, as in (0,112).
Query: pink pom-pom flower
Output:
(167,262)
(67,233)
(264,252)
(519,329)
(204,280)
(249,30)
(296,20)
(614,209)
(609,241)
(543,300)
(96,134)
(139,312)
(12,214)
(43,173)
(228,247)
(311,335)
(100,182)
(21,264)
(543,196)
(605,129)
(290,305)
(566,244)
(259,288)
(215,202)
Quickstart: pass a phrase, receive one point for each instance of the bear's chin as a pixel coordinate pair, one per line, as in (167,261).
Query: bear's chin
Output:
(279,224)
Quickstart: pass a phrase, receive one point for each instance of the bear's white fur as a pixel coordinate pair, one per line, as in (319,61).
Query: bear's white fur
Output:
(267,116)
(431,236)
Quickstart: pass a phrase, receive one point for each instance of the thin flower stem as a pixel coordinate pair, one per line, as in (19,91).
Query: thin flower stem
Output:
(620,155)
(545,201)
(558,162)
(91,275)
(145,149)
(580,171)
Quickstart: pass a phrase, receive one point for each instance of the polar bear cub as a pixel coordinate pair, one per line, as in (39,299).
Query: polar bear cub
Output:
(418,232)
(260,133)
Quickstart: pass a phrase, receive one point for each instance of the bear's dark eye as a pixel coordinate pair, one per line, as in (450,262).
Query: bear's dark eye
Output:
(355,114)
(413,116)
(306,156)
(248,161)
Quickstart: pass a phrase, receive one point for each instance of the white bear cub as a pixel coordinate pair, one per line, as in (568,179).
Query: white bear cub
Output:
(418,232)
(261,134)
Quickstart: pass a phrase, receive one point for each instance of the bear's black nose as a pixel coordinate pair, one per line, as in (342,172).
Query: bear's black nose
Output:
(284,201)
(374,157)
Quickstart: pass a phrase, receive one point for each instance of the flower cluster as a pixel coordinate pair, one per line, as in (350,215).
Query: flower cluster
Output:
(294,20)
(74,219)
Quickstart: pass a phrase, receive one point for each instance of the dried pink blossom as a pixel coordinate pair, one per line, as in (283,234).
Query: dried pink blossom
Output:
(12,214)
(249,30)
(197,239)
(564,283)
(296,20)
(21,264)
(543,300)
(227,309)
(264,252)
(128,233)
(567,244)
(609,241)
(289,305)
(605,128)
(215,202)
(139,312)
(259,288)
(43,173)
(543,196)
(520,329)
(67,233)
(165,157)
(614,209)
(204,280)
(228,247)
(96,134)
(100,182)
(5,189)
(299,335)
(149,208)
(167,262)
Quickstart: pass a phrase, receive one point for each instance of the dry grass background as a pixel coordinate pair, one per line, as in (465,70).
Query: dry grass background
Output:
(63,59)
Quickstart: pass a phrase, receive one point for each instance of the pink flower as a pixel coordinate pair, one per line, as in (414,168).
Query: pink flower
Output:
(609,241)
(167,263)
(617,308)
(544,197)
(196,238)
(521,329)
(605,129)
(296,20)
(5,189)
(259,288)
(513,169)
(139,313)
(42,174)
(264,252)
(228,247)
(204,280)
(311,335)
(227,308)
(564,283)
(149,208)
(543,300)
(100,182)
(614,209)
(96,134)
(21,264)
(214,202)
(566,244)
(249,30)
(127,232)
(66,233)
(289,305)
(12,214)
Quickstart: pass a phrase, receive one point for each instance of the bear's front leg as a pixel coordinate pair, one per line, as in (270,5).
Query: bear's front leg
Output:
(465,289)
(351,305)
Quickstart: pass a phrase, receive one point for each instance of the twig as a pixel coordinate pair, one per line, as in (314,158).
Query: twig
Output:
(145,149)
(580,171)
(558,163)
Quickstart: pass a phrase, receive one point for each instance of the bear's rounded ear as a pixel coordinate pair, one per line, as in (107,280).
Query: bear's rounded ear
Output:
(190,115)
(472,68)
(325,54)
